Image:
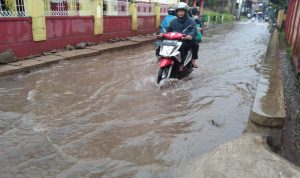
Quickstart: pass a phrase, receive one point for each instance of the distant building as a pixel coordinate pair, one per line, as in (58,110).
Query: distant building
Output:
(145,7)
(160,1)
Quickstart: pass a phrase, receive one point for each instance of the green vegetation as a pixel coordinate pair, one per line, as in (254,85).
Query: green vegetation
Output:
(281,35)
(213,4)
(209,12)
(289,52)
(279,4)
(243,18)
(228,17)
(213,14)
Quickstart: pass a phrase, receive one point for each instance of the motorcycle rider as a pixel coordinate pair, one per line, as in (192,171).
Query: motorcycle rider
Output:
(171,15)
(183,24)
(165,23)
(194,13)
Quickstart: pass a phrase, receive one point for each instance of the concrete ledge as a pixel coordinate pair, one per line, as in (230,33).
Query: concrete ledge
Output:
(9,70)
(115,46)
(246,157)
(49,60)
(44,61)
(133,42)
(31,64)
(268,108)
(266,120)
(75,54)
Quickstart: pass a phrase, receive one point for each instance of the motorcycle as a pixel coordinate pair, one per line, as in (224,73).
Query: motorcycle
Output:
(266,18)
(170,57)
(260,17)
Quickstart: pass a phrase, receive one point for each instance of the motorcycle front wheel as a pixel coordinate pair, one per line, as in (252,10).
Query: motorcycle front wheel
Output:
(162,73)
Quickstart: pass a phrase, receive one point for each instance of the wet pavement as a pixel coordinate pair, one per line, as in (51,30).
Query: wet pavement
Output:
(106,117)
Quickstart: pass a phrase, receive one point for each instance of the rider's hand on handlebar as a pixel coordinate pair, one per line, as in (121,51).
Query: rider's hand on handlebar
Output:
(187,37)
(160,35)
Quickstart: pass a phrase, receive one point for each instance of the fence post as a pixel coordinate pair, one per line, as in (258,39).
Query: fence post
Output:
(208,20)
(280,18)
(98,16)
(134,18)
(37,13)
(156,11)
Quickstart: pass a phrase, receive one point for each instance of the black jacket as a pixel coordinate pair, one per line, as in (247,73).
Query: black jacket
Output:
(180,24)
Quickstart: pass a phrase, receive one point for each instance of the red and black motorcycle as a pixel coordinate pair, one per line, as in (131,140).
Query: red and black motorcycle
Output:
(170,57)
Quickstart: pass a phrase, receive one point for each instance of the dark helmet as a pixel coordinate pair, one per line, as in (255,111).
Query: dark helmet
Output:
(195,11)
(171,11)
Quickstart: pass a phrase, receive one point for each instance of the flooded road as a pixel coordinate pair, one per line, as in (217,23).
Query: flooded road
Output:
(106,117)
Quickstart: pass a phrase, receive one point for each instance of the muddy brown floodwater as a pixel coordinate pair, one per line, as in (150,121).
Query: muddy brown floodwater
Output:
(105,116)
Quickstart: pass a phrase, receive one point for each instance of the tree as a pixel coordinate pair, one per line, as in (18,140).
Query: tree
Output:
(279,4)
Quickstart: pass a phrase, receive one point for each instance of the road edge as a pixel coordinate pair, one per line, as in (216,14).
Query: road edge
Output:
(26,66)
(268,107)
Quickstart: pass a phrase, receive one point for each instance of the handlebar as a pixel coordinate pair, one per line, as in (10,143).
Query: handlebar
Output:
(183,38)
(186,38)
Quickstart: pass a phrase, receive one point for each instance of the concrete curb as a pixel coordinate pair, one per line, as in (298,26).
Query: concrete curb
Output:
(45,61)
(268,108)
(247,157)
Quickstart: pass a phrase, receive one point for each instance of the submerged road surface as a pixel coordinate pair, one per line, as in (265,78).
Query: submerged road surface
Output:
(106,117)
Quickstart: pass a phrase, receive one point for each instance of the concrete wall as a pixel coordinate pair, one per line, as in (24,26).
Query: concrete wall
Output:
(292,30)
(16,33)
(15,30)
(69,27)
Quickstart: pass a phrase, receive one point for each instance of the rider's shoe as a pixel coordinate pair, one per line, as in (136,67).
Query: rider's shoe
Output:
(194,63)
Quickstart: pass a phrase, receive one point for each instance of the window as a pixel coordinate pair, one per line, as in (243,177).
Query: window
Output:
(2,5)
(20,6)
(15,9)
(123,8)
(64,7)
(59,5)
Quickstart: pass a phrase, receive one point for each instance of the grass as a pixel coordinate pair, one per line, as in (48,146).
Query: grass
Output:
(226,16)
(244,17)
(209,12)
(281,35)
(289,52)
